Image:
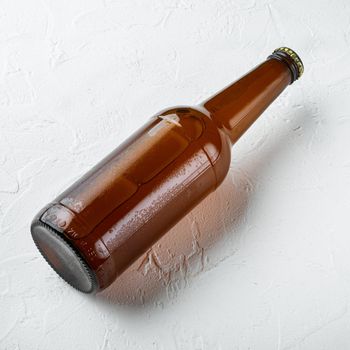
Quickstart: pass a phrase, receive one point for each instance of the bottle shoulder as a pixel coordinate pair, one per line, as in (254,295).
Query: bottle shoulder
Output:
(197,124)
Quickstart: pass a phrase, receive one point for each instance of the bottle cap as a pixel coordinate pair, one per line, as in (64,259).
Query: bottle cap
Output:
(290,57)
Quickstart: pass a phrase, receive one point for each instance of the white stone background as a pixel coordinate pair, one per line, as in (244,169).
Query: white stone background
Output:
(263,263)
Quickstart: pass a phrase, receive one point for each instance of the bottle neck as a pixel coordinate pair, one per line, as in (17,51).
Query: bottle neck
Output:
(235,108)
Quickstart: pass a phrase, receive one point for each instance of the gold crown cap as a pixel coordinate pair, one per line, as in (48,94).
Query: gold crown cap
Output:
(293,55)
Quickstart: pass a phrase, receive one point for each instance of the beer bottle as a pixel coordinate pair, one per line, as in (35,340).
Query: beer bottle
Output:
(102,223)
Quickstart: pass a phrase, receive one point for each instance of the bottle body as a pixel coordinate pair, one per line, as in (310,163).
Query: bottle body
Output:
(102,223)
(123,205)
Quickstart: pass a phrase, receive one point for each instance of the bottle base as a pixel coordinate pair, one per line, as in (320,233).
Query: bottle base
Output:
(63,258)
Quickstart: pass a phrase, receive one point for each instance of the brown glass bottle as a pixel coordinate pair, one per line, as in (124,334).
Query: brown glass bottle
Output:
(101,224)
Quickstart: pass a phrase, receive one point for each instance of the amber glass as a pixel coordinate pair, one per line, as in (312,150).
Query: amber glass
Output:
(121,207)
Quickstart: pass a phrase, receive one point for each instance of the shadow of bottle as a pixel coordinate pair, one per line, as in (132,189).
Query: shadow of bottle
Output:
(203,238)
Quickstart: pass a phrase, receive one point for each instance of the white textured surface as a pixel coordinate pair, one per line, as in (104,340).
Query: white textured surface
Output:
(263,263)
